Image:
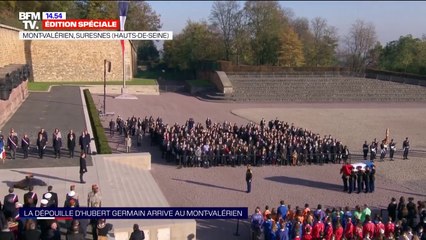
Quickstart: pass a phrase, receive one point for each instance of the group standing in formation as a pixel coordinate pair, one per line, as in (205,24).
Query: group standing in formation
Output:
(385,147)
(360,179)
(405,221)
(212,144)
(9,145)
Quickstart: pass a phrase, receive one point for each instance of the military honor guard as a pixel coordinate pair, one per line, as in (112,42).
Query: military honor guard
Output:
(392,146)
(365,150)
(405,148)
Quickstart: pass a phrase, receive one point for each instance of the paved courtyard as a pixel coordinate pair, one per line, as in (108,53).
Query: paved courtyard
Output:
(60,108)
(225,186)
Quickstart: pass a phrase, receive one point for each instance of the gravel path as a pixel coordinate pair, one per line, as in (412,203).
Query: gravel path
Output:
(225,186)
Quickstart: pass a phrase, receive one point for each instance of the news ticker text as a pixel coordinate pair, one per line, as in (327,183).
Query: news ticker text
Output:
(134,213)
(96,35)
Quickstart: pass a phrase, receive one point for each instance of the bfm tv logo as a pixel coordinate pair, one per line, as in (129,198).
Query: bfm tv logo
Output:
(30,19)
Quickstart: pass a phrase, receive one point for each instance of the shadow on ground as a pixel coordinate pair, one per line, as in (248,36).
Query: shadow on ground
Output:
(305,183)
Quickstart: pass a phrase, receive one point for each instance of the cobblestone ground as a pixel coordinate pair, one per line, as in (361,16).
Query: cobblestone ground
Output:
(225,186)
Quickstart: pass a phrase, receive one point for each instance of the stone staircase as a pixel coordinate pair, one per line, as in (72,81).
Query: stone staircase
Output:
(286,87)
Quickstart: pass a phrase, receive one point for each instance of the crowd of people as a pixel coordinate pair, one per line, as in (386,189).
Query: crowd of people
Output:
(211,144)
(275,142)
(15,228)
(9,145)
(404,221)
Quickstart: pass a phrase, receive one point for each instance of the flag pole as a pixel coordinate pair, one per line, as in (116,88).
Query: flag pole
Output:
(123,7)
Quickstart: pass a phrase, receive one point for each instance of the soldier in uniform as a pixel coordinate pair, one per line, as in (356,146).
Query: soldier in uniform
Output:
(30,198)
(352,181)
(365,150)
(373,151)
(25,145)
(406,147)
(366,179)
(53,198)
(71,200)
(71,143)
(392,146)
(360,176)
(372,178)
(94,199)
(346,173)
(12,143)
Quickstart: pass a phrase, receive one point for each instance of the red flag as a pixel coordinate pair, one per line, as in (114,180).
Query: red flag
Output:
(122,47)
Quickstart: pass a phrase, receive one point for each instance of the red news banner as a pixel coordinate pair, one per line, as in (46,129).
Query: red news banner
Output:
(81,24)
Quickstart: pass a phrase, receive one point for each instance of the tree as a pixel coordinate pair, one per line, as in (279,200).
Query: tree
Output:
(226,16)
(373,60)
(358,43)
(197,42)
(291,53)
(407,54)
(148,53)
(265,19)
(323,44)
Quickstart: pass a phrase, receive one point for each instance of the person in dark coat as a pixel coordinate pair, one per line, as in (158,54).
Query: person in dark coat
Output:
(71,143)
(83,167)
(31,233)
(41,145)
(57,143)
(30,198)
(137,234)
(9,203)
(6,234)
(12,143)
(53,232)
(25,145)
(87,140)
(74,233)
(249,177)
(53,200)
(392,207)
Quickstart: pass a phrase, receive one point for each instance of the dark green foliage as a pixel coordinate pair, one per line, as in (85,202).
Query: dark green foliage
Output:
(98,130)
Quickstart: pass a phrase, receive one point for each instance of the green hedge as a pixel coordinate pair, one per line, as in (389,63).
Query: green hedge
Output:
(98,130)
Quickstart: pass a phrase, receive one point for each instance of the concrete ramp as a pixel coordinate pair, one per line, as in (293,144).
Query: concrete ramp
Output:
(125,181)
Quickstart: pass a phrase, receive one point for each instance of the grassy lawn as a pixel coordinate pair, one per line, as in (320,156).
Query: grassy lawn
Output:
(44,86)
(199,83)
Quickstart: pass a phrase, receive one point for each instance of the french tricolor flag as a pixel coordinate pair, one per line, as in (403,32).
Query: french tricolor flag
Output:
(3,154)
(51,218)
(123,6)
